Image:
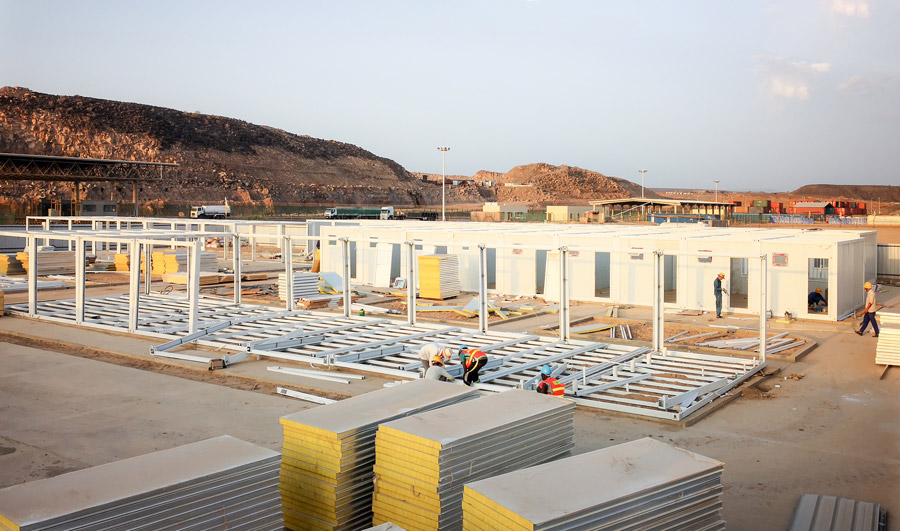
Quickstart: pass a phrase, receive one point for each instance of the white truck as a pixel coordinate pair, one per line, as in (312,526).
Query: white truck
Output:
(210,211)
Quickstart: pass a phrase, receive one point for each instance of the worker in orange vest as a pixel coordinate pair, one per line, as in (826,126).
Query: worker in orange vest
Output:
(550,385)
(472,361)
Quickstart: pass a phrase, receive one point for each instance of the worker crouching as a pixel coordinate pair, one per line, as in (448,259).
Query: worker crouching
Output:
(550,385)
(472,361)
(437,370)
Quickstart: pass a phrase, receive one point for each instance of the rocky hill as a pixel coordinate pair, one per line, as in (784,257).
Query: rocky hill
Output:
(851,192)
(545,184)
(219,157)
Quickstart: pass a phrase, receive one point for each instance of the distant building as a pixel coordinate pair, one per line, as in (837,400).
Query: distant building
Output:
(494,211)
(813,208)
(566,213)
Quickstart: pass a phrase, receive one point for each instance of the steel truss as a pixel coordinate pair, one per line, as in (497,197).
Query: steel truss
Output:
(37,167)
(605,376)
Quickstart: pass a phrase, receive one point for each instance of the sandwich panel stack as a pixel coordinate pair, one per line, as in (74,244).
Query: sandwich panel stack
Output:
(122,262)
(422,462)
(50,262)
(213,484)
(177,261)
(329,451)
(887,352)
(438,276)
(643,484)
(10,265)
(305,285)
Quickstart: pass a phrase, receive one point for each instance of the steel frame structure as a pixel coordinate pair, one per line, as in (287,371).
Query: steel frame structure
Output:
(655,383)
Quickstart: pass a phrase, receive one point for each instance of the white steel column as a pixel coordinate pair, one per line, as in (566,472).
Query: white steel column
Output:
(411,284)
(253,242)
(194,283)
(69,225)
(148,257)
(47,228)
(80,275)
(119,243)
(134,285)
(287,256)
(658,323)
(345,273)
(31,246)
(282,233)
(564,294)
(763,290)
(236,266)
(482,289)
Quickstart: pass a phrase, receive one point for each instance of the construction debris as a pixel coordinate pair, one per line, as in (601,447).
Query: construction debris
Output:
(328,453)
(643,484)
(218,483)
(433,454)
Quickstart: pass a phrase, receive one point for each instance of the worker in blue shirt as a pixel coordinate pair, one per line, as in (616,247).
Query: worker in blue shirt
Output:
(814,298)
(719,290)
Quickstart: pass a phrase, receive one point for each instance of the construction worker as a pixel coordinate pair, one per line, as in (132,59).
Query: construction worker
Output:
(719,290)
(814,298)
(869,311)
(472,361)
(550,385)
(437,371)
(430,350)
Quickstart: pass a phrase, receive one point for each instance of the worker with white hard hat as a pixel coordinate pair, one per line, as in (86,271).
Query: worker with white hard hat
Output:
(430,350)
(869,310)
(719,290)
(550,385)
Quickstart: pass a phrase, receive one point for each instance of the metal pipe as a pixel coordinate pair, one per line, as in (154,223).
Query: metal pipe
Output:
(411,284)
(32,275)
(345,269)
(79,280)
(194,284)
(287,254)
(763,289)
(236,266)
(134,285)
(564,294)
(482,289)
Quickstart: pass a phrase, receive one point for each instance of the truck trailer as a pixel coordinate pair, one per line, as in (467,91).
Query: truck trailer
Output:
(352,213)
(210,211)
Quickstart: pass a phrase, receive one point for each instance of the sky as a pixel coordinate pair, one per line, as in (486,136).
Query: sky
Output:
(764,96)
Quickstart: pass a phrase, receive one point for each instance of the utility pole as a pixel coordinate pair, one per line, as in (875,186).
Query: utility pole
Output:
(642,172)
(717,189)
(443,151)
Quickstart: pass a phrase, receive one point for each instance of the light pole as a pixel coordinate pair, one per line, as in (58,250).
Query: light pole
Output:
(642,172)
(717,189)
(443,151)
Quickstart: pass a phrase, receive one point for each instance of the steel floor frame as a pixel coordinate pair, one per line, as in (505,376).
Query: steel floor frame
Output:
(670,385)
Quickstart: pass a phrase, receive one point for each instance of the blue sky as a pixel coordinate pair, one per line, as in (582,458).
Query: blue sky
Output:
(761,95)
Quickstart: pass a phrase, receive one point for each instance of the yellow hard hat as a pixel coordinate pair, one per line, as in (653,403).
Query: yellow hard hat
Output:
(818,290)
(867,285)
(721,274)
(437,359)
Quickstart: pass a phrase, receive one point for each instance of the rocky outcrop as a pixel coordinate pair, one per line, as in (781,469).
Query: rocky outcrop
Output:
(544,184)
(219,157)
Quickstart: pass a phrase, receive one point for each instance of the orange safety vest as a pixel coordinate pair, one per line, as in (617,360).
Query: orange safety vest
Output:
(555,387)
(473,353)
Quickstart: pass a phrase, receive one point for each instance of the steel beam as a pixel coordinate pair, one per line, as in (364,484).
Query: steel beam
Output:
(134,285)
(482,289)
(564,294)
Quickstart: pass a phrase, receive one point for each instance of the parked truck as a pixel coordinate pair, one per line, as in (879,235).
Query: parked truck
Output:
(353,213)
(210,211)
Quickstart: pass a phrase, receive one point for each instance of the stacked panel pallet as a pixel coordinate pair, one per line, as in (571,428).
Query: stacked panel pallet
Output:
(422,462)
(10,265)
(438,276)
(305,285)
(888,350)
(214,484)
(51,262)
(326,471)
(819,513)
(643,484)
(177,262)
(122,262)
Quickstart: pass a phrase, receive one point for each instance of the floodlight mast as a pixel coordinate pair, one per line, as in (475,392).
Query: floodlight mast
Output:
(443,150)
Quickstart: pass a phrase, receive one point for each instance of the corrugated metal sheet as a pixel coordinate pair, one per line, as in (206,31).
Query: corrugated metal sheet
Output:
(811,204)
(888,350)
(828,513)
(888,260)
